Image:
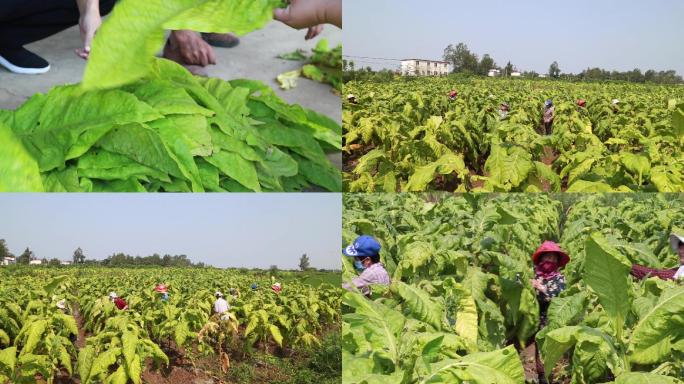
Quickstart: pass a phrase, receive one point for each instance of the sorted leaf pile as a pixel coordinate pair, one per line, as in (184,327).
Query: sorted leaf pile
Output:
(168,132)
(325,66)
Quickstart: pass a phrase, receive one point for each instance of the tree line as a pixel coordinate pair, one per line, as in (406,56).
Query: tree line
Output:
(115,260)
(463,60)
(124,260)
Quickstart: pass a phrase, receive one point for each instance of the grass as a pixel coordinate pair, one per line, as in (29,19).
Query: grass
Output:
(319,365)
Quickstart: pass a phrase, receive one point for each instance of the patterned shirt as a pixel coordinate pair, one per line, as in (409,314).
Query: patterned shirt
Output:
(548,114)
(375,274)
(553,286)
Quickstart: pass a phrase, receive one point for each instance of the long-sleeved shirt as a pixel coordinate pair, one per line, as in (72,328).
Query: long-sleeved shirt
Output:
(553,286)
(375,274)
(221,305)
(640,272)
(549,114)
(120,303)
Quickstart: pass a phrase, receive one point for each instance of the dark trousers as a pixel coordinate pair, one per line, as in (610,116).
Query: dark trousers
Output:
(25,21)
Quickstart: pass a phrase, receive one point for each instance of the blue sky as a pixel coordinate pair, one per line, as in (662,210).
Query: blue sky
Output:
(610,34)
(236,230)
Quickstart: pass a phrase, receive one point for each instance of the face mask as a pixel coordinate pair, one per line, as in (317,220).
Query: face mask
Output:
(548,266)
(359,265)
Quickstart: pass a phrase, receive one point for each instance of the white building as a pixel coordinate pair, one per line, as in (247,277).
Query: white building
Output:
(516,74)
(63,262)
(35,262)
(8,260)
(419,67)
(494,72)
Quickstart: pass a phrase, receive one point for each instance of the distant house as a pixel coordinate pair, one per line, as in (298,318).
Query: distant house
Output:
(8,260)
(543,75)
(420,67)
(35,262)
(494,72)
(516,74)
(62,262)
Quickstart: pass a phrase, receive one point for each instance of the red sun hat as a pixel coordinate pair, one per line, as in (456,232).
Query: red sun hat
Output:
(550,246)
(161,288)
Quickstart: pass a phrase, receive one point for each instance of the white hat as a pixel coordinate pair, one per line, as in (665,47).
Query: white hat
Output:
(112,295)
(350,96)
(675,239)
(61,304)
(615,101)
(218,294)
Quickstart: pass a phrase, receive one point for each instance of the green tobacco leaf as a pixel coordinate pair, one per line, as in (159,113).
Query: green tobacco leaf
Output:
(447,164)
(297,55)
(419,304)
(236,167)
(8,360)
(18,170)
(167,98)
(500,366)
(124,47)
(380,325)
(71,122)
(645,378)
(651,338)
(143,145)
(508,167)
(288,80)
(86,356)
(606,272)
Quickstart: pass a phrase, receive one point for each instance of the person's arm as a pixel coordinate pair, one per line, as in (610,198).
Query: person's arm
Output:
(641,272)
(89,22)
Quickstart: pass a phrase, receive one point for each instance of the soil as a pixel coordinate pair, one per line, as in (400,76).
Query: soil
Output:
(352,159)
(549,156)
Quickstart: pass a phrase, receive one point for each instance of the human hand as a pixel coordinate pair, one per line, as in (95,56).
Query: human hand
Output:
(313,31)
(536,284)
(308,13)
(88,24)
(193,50)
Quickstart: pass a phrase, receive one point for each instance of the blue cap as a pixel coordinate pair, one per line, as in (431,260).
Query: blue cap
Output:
(363,246)
(549,102)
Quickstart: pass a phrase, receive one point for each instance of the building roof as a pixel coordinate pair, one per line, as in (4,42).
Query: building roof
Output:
(432,61)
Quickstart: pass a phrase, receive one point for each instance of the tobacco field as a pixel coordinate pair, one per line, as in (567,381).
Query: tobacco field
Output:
(137,123)
(460,307)
(181,339)
(406,135)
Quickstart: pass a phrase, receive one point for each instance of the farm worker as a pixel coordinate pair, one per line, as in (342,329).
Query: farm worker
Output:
(193,50)
(118,302)
(234,292)
(221,306)
(453,94)
(351,98)
(549,115)
(163,290)
(548,259)
(62,306)
(677,244)
(503,110)
(614,105)
(254,286)
(25,21)
(366,253)
(581,103)
(276,287)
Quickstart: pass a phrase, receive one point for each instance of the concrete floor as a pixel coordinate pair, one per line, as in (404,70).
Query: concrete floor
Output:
(255,58)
